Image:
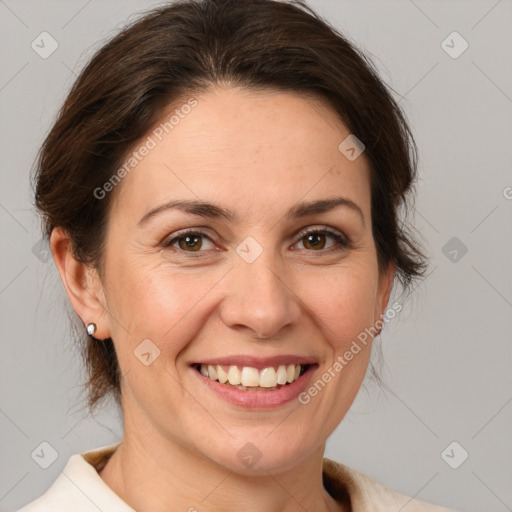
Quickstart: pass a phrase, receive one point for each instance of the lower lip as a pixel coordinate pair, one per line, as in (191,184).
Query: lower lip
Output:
(258,399)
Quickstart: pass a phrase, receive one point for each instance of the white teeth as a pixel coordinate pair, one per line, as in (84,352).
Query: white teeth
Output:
(248,378)
(212,372)
(234,375)
(281,375)
(268,378)
(221,374)
(290,373)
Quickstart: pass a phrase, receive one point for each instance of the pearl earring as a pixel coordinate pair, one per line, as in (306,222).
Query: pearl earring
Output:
(91,329)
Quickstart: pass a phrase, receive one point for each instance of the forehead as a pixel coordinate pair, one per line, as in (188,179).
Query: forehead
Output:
(244,147)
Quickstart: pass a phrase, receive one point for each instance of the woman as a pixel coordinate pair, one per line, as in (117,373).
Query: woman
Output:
(221,194)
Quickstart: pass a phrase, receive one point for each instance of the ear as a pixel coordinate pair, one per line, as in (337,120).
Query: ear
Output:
(384,290)
(82,284)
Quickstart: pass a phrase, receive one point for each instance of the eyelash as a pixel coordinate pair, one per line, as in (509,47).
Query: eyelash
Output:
(342,241)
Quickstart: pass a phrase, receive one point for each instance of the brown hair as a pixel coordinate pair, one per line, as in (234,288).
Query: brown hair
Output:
(186,47)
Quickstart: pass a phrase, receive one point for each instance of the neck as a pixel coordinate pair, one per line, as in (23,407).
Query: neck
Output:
(150,474)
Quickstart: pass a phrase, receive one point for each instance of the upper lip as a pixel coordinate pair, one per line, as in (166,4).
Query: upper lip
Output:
(258,362)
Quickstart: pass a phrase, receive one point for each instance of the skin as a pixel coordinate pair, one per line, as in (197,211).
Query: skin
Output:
(258,154)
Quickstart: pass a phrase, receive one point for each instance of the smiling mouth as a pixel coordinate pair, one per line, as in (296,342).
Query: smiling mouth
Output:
(247,378)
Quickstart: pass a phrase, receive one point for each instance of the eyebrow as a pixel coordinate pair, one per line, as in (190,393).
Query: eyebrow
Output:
(209,210)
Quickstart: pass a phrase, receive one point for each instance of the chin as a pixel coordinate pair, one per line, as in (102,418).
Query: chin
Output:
(263,453)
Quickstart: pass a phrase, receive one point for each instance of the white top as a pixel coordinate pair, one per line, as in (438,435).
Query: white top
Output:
(79,488)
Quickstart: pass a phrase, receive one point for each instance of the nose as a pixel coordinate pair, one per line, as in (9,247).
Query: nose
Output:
(258,300)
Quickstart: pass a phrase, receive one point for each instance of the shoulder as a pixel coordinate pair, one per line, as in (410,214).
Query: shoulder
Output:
(365,493)
(80,488)
(65,490)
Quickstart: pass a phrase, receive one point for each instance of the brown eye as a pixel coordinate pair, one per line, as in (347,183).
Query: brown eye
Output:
(192,242)
(315,241)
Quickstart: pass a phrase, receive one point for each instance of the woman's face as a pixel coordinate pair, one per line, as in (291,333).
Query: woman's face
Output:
(249,287)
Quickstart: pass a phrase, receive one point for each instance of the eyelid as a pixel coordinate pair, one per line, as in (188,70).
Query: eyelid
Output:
(319,228)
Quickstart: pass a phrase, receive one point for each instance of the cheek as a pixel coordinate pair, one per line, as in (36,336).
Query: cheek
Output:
(343,300)
(160,303)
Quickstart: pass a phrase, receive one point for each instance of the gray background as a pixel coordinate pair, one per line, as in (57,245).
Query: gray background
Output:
(447,359)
